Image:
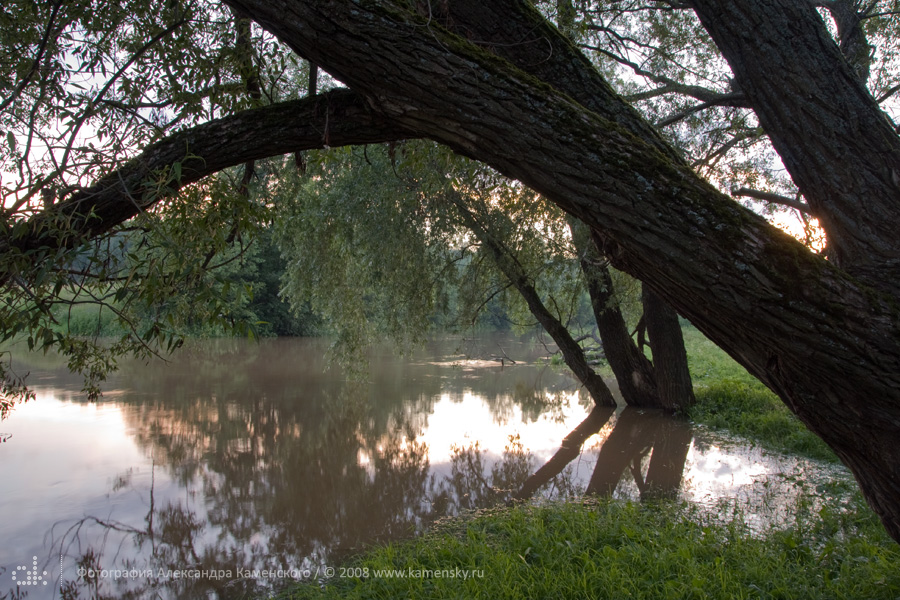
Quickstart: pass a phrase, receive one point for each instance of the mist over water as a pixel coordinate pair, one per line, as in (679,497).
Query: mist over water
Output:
(237,467)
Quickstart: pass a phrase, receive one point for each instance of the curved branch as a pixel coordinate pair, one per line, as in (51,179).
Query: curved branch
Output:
(773,197)
(340,116)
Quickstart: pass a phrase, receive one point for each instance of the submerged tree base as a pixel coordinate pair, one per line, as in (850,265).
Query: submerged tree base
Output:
(610,549)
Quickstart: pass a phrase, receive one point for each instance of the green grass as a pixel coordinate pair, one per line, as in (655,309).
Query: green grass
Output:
(752,411)
(89,320)
(708,363)
(729,398)
(608,549)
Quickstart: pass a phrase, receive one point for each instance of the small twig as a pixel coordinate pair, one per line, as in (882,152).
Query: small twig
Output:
(773,197)
(505,355)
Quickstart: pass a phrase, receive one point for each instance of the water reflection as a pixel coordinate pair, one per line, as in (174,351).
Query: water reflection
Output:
(242,459)
(635,436)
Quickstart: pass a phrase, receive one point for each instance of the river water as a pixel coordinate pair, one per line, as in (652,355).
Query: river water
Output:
(239,467)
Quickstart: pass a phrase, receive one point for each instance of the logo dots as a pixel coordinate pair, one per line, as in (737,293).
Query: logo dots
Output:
(30,577)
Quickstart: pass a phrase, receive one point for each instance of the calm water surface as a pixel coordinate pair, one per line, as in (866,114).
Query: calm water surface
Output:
(238,467)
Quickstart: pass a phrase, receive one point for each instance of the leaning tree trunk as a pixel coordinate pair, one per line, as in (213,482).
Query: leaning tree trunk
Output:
(673,379)
(752,289)
(666,381)
(509,265)
(633,371)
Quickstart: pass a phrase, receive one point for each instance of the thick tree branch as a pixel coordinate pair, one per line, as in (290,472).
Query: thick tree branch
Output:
(340,117)
(848,15)
(749,287)
(653,193)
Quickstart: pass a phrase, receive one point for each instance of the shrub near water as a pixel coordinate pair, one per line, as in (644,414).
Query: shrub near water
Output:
(626,550)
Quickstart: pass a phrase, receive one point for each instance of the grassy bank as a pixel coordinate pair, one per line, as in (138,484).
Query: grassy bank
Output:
(616,550)
(89,320)
(609,549)
(730,398)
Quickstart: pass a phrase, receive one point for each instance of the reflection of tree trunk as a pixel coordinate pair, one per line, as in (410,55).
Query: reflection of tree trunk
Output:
(670,448)
(632,436)
(673,380)
(568,450)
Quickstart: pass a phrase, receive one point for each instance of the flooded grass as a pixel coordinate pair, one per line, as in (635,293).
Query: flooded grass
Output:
(826,543)
(754,412)
(728,397)
(610,549)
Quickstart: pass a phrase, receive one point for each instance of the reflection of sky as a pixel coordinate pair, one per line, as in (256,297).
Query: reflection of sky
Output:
(60,453)
(61,464)
(715,467)
(454,424)
(63,460)
(57,467)
(712,471)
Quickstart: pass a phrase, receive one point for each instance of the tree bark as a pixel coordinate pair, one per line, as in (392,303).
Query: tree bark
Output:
(848,17)
(829,346)
(839,148)
(633,371)
(673,379)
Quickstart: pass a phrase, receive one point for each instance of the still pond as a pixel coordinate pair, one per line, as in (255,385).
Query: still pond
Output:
(239,467)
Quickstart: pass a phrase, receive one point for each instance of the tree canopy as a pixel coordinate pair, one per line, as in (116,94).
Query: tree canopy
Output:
(109,110)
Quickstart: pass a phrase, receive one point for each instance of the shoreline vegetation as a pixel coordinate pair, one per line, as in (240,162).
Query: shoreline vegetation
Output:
(828,545)
(611,549)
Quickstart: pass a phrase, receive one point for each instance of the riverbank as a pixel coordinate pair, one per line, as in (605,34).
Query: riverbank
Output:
(609,549)
(729,398)
(827,544)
